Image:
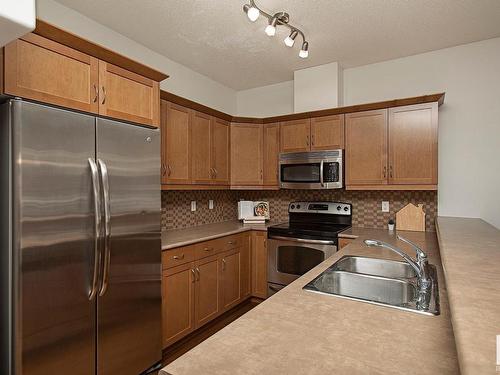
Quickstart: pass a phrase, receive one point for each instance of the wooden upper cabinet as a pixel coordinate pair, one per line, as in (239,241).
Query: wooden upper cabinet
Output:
(41,69)
(128,96)
(366,147)
(413,138)
(176,143)
(201,148)
(207,290)
(327,133)
(295,135)
(271,154)
(246,154)
(177,303)
(44,70)
(220,151)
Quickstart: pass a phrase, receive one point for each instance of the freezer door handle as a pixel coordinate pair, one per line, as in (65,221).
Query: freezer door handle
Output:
(107,227)
(97,225)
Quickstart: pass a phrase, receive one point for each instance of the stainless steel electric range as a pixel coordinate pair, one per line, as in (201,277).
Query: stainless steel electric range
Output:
(309,237)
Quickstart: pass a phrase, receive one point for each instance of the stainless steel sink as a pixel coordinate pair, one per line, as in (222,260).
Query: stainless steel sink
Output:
(378,281)
(374,266)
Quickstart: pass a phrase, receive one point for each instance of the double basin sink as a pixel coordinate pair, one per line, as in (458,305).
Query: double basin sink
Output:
(378,281)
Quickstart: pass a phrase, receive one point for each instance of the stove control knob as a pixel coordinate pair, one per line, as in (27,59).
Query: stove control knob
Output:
(298,207)
(292,206)
(339,208)
(346,208)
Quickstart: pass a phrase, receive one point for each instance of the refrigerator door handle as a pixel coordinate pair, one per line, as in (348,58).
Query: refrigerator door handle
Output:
(107,227)
(97,225)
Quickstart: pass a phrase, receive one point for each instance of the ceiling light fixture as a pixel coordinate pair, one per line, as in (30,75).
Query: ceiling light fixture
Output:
(304,51)
(290,39)
(271,28)
(278,19)
(252,12)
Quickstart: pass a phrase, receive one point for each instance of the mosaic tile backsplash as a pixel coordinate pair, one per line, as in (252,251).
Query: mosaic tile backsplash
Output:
(176,205)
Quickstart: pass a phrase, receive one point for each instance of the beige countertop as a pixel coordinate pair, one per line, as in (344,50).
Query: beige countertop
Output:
(171,239)
(183,237)
(299,332)
(470,252)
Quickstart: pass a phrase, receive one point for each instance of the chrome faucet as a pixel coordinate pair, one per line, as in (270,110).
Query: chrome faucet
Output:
(421,265)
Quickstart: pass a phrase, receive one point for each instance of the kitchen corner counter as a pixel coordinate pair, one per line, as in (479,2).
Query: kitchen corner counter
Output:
(470,252)
(182,237)
(299,332)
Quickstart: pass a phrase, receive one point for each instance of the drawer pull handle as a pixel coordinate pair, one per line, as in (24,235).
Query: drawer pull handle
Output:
(208,249)
(179,257)
(231,243)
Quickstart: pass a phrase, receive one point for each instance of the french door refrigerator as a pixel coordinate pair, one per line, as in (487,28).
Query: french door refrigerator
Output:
(81,245)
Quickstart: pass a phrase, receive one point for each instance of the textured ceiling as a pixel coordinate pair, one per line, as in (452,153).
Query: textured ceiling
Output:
(214,37)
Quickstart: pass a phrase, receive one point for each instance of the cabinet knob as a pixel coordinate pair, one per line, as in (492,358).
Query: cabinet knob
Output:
(223,264)
(194,275)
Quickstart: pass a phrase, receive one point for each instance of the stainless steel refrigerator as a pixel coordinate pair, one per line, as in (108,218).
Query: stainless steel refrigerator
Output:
(81,244)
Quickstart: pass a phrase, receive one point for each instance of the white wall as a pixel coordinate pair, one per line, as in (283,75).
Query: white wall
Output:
(469,120)
(316,88)
(265,101)
(183,81)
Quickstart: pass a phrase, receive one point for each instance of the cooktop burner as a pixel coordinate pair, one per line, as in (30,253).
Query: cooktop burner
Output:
(314,220)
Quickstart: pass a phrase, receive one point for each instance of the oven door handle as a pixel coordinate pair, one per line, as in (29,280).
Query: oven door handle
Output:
(321,177)
(302,240)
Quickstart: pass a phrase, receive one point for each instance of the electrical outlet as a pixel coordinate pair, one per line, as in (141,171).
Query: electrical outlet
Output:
(210,204)
(193,206)
(385,206)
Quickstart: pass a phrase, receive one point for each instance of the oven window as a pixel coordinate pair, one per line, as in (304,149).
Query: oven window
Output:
(308,172)
(297,260)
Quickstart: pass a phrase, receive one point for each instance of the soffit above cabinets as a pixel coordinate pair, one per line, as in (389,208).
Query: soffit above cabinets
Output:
(216,39)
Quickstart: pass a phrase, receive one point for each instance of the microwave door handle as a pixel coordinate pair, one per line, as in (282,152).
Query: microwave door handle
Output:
(321,178)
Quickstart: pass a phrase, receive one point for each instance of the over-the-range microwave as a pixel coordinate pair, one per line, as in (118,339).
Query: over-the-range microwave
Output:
(311,170)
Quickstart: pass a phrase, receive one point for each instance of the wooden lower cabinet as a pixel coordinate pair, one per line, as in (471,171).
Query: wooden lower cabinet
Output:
(178,291)
(259,264)
(207,290)
(231,277)
(203,287)
(343,242)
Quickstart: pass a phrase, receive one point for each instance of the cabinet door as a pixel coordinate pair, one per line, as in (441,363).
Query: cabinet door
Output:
(246,266)
(128,96)
(327,133)
(295,135)
(177,302)
(259,264)
(207,290)
(413,137)
(200,148)
(175,144)
(366,148)
(246,154)
(231,277)
(41,69)
(220,151)
(271,154)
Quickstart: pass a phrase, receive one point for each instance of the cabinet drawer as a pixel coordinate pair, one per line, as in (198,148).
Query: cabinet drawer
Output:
(233,242)
(207,248)
(175,257)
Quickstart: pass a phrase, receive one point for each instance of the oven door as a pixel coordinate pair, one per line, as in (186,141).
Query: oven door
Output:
(289,258)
